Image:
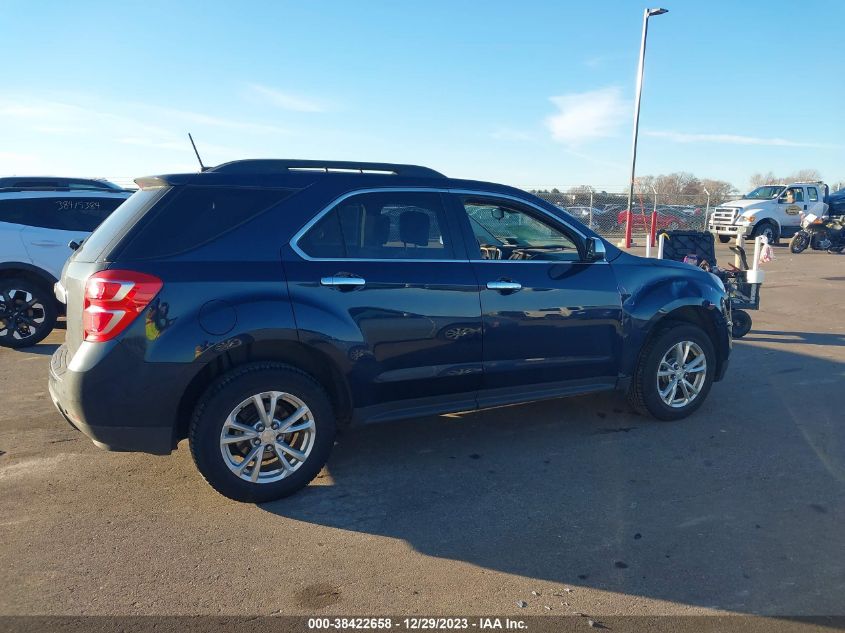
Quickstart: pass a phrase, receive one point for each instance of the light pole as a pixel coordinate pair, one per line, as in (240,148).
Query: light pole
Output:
(646,15)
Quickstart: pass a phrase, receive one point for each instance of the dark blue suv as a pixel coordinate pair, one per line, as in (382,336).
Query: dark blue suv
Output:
(258,307)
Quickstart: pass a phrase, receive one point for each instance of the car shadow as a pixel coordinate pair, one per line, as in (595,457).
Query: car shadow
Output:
(41,349)
(739,507)
(802,338)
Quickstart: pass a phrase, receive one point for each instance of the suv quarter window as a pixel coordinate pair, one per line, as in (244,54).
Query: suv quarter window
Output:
(508,230)
(193,215)
(380,225)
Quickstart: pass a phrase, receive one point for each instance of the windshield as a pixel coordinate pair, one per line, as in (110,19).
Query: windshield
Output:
(764,193)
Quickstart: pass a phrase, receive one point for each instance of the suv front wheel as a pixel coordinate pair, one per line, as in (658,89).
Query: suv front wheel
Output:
(675,372)
(262,432)
(27,312)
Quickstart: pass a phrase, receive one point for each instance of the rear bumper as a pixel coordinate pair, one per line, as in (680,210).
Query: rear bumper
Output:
(136,414)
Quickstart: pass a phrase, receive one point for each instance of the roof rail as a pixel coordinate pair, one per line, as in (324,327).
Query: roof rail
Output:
(275,166)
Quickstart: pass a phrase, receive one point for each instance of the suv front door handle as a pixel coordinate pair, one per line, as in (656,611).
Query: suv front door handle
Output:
(348,282)
(504,286)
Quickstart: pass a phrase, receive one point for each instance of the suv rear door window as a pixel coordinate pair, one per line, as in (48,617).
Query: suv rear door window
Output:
(389,225)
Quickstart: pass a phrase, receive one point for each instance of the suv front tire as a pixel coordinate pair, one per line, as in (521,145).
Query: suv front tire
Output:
(675,372)
(262,432)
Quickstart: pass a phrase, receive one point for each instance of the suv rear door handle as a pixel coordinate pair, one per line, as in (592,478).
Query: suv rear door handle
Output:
(342,281)
(502,285)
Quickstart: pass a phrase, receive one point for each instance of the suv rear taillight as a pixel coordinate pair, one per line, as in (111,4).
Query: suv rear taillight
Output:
(113,298)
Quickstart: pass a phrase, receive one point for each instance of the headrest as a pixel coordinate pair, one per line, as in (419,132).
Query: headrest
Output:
(414,227)
(378,232)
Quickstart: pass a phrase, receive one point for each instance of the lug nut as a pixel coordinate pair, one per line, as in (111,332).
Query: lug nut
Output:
(279,438)
(256,442)
(259,427)
(275,426)
(269,448)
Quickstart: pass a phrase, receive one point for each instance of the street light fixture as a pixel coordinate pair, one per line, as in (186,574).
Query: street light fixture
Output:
(646,15)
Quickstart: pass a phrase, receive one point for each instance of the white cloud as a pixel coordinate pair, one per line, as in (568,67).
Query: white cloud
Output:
(586,116)
(199,118)
(731,139)
(510,134)
(286,100)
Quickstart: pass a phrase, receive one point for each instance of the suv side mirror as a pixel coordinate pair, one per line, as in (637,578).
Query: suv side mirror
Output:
(595,250)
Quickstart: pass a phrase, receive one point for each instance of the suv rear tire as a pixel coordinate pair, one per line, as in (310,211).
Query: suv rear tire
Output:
(663,395)
(268,463)
(28,312)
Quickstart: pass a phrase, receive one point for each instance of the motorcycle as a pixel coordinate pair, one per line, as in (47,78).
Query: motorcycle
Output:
(819,235)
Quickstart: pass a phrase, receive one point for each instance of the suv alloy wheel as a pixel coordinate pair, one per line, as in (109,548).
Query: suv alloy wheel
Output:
(675,372)
(262,431)
(27,312)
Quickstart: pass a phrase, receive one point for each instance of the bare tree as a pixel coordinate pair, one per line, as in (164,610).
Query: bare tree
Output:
(759,179)
(769,178)
(685,188)
(806,175)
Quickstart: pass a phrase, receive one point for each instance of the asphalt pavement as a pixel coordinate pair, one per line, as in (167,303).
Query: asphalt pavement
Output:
(564,506)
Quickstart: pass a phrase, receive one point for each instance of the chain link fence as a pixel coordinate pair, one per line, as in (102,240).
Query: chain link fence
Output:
(605,212)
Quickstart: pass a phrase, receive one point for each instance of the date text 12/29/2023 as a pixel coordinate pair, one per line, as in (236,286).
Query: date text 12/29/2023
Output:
(416,624)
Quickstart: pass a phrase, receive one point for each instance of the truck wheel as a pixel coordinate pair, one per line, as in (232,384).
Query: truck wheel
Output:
(769,229)
(724,239)
(741,323)
(262,432)
(28,312)
(674,372)
(799,242)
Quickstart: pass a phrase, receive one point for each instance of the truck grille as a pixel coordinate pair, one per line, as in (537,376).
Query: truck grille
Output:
(724,216)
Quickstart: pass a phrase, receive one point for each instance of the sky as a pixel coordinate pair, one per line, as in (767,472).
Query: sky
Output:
(530,93)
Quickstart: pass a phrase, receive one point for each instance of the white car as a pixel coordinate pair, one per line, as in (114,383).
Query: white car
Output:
(36,226)
(771,210)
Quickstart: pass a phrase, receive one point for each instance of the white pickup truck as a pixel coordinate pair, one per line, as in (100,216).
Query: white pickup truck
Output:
(771,210)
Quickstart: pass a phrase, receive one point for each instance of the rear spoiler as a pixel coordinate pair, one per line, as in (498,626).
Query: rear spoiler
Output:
(151,182)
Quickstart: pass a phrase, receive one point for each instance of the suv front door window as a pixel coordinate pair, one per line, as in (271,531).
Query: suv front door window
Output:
(505,232)
(551,319)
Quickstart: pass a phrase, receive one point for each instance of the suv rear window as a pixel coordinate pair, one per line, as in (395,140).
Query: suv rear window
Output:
(61,213)
(193,216)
